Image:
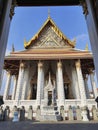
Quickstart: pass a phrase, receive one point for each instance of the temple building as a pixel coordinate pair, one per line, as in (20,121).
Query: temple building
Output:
(50,73)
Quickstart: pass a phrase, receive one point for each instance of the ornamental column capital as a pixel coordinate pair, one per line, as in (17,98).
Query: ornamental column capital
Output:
(59,64)
(22,64)
(15,77)
(40,64)
(85,77)
(8,73)
(91,71)
(78,64)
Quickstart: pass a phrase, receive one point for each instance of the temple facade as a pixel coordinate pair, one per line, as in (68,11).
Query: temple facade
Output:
(50,73)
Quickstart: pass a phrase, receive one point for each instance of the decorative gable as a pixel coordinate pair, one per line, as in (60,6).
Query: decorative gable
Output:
(49,36)
(50,42)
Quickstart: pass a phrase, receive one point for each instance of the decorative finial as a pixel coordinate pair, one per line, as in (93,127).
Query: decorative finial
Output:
(48,12)
(74,41)
(86,47)
(25,42)
(13,49)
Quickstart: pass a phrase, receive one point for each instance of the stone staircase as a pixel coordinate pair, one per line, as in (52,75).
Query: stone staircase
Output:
(49,113)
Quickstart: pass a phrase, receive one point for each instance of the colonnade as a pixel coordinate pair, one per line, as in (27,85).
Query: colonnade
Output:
(21,83)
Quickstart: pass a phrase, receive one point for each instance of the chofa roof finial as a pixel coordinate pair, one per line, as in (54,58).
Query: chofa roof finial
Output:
(74,41)
(13,49)
(48,12)
(86,47)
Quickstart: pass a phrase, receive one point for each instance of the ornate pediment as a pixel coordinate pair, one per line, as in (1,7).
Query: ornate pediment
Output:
(49,36)
(48,43)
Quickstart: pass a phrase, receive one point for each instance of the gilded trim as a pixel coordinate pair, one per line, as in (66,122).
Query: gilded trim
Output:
(56,30)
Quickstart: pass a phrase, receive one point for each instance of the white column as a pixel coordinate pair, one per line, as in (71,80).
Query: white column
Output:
(39,83)
(93,84)
(42,85)
(20,82)
(82,91)
(75,85)
(86,87)
(7,87)
(61,97)
(29,94)
(57,84)
(81,83)
(25,83)
(14,87)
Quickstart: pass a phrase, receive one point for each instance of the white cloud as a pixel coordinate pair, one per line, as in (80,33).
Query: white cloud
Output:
(82,37)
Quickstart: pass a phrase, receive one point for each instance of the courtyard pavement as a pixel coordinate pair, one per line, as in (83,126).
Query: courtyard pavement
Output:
(30,125)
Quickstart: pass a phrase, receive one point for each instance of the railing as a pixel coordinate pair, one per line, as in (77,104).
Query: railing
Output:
(91,101)
(72,102)
(20,103)
(27,102)
(9,102)
(68,102)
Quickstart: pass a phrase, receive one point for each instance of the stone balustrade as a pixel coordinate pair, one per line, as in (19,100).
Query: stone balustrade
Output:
(27,103)
(75,103)
(72,102)
(71,113)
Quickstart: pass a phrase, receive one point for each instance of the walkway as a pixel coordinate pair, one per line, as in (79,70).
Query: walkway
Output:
(30,125)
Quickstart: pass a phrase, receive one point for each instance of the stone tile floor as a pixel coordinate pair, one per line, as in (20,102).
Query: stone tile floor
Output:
(65,125)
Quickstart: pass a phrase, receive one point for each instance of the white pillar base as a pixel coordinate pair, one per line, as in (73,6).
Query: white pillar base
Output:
(15,118)
(84,115)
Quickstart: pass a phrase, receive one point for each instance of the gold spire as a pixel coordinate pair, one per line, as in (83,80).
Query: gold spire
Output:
(86,47)
(13,49)
(48,12)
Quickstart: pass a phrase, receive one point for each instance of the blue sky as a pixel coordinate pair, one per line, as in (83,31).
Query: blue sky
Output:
(28,20)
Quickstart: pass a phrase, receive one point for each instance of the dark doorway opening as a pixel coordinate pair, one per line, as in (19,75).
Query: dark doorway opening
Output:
(49,98)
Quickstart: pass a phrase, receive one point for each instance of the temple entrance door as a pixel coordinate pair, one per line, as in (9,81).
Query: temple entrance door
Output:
(49,98)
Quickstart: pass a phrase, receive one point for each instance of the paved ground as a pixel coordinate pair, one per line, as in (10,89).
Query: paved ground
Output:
(29,125)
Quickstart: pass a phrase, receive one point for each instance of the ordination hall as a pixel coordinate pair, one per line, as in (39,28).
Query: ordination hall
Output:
(51,76)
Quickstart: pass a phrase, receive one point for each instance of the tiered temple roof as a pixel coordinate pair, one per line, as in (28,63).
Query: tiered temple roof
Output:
(49,44)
